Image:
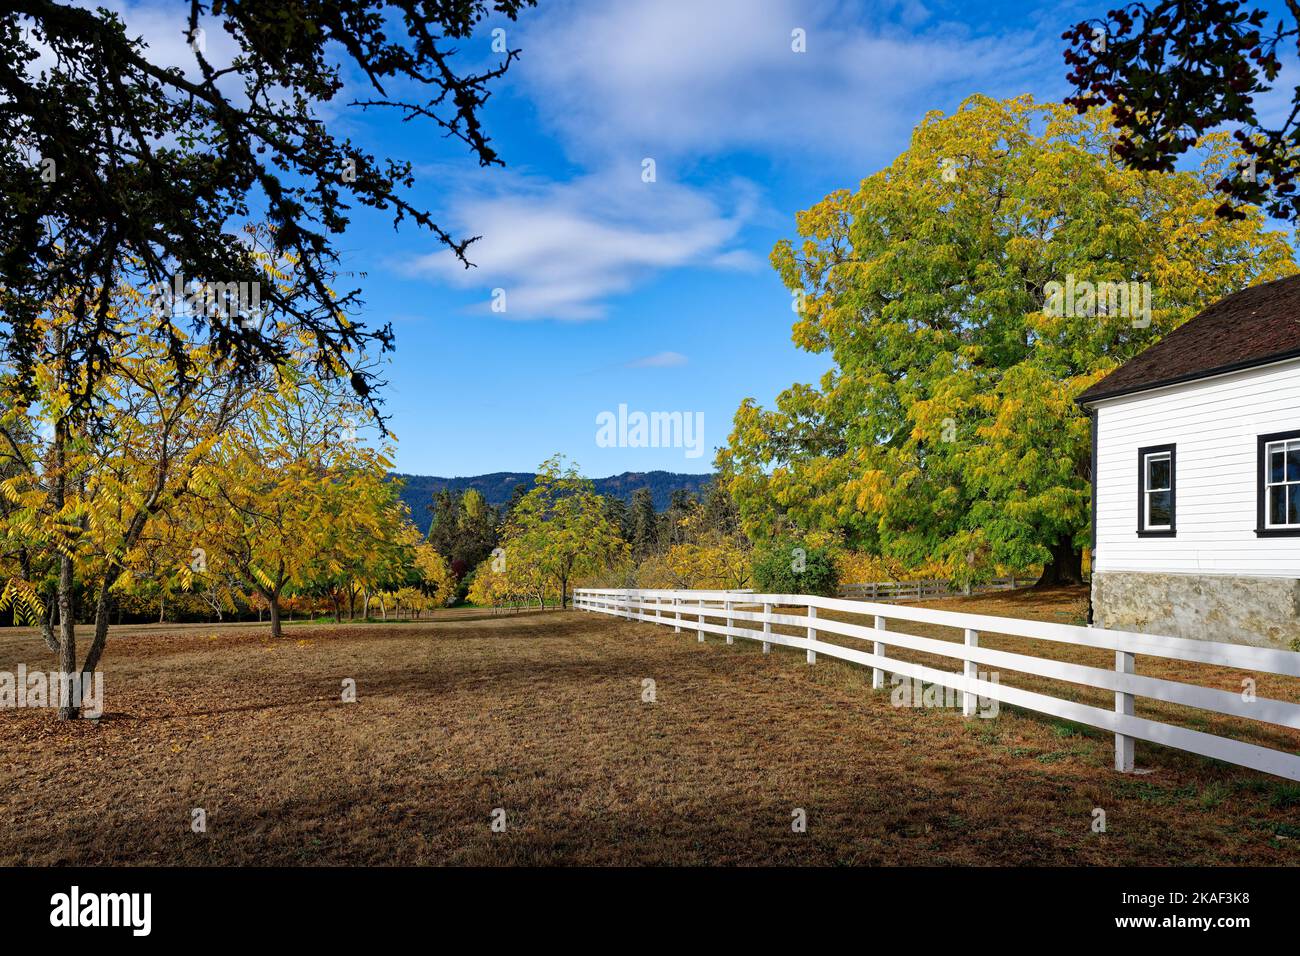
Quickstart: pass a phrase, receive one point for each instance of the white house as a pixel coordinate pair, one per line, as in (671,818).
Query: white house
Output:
(1196,477)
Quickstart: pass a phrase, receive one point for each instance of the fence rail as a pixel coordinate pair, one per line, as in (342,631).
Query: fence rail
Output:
(722,613)
(919,590)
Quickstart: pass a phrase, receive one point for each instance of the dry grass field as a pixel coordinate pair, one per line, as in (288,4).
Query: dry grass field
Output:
(541,715)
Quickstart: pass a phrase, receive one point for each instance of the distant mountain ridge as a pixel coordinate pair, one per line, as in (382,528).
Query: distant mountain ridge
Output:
(497,487)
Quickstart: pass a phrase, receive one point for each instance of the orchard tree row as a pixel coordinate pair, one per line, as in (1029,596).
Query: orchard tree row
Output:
(124,483)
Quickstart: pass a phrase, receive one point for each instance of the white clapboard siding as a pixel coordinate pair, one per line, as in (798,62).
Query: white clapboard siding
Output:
(724,613)
(1215,423)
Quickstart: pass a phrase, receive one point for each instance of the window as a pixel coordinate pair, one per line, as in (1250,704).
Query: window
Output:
(1156,491)
(1279,484)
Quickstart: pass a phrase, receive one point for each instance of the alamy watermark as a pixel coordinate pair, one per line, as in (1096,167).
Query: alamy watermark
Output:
(913,692)
(233,301)
(55,689)
(133,911)
(1108,300)
(626,429)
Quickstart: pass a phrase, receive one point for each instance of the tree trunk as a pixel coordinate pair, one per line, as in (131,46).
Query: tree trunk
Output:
(47,626)
(67,627)
(273,602)
(1065,567)
(67,634)
(101,633)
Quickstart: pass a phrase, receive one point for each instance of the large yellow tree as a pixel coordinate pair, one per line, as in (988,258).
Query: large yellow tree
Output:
(83,482)
(945,434)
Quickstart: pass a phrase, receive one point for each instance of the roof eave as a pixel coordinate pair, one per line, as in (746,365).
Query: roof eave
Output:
(1086,401)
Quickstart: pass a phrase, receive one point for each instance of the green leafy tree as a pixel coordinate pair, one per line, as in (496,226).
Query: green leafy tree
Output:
(560,528)
(445,509)
(619,515)
(946,434)
(719,509)
(645,524)
(672,523)
(789,565)
(463,530)
(477,532)
(516,496)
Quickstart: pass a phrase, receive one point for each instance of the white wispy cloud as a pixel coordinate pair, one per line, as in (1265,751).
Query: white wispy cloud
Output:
(683,82)
(678,77)
(164,28)
(561,249)
(659,360)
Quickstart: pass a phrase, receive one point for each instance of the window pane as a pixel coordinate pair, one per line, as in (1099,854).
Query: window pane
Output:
(1157,473)
(1293,462)
(1275,456)
(1277,505)
(1293,516)
(1158,509)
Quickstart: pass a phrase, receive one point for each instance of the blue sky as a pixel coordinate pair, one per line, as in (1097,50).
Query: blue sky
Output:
(655,295)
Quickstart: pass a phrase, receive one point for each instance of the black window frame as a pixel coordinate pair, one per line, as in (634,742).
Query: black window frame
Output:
(1172,530)
(1262,530)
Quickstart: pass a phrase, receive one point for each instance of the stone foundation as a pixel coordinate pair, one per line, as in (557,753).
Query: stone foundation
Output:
(1263,612)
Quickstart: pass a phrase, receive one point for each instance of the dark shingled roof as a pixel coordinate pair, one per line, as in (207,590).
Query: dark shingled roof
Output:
(1252,327)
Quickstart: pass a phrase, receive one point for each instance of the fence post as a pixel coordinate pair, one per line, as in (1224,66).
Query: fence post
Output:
(727,607)
(812,633)
(767,627)
(1124,664)
(877,648)
(677,603)
(699,621)
(659,608)
(968,698)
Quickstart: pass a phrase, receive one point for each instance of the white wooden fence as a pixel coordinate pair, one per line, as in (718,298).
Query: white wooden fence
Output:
(918,590)
(721,612)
